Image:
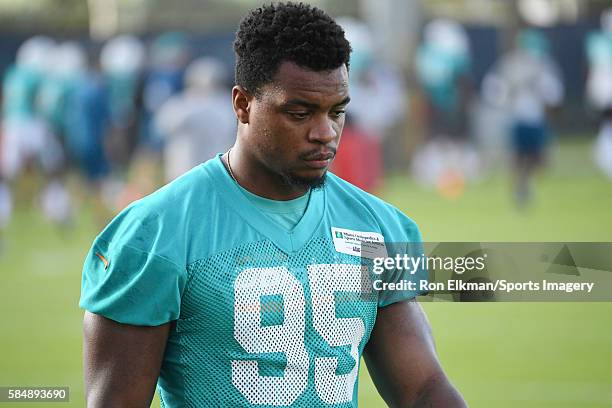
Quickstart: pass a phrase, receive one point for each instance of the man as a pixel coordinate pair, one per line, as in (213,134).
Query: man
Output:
(526,82)
(235,285)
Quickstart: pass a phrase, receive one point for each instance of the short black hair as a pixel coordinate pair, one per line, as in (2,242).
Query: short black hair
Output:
(279,32)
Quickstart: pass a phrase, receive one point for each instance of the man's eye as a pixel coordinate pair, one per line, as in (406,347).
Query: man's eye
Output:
(338,114)
(299,115)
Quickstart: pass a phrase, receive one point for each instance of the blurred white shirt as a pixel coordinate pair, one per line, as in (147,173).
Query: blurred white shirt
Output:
(525,84)
(195,126)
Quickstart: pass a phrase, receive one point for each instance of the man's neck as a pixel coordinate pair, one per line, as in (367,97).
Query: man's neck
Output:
(257,179)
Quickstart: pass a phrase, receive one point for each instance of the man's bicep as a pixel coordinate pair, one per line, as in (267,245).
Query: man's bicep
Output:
(400,354)
(121,362)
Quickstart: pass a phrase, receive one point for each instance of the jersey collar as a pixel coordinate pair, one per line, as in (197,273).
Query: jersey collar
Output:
(287,241)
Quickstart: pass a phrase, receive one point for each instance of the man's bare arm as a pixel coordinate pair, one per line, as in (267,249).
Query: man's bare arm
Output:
(402,361)
(121,362)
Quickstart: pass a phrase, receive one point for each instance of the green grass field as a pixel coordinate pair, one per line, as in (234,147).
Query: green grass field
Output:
(498,354)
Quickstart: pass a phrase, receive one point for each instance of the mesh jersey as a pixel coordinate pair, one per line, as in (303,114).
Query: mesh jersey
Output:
(262,317)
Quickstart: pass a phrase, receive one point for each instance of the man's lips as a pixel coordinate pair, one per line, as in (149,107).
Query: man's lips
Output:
(319,160)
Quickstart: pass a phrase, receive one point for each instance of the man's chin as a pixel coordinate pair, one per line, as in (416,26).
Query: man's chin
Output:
(306,182)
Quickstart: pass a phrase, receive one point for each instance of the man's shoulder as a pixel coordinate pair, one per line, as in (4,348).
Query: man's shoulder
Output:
(352,195)
(176,205)
(166,221)
(351,199)
(188,192)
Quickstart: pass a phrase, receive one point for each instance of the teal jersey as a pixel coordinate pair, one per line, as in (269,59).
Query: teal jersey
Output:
(20,90)
(438,71)
(261,316)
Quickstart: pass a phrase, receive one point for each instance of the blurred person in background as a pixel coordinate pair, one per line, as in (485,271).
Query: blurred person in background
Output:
(88,121)
(6,203)
(67,72)
(360,160)
(599,89)
(199,122)
(122,60)
(442,68)
(526,82)
(168,57)
(28,135)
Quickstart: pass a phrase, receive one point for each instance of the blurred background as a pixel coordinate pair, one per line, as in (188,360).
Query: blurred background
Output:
(483,120)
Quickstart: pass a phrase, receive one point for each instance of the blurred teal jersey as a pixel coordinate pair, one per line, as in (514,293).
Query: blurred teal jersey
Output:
(261,316)
(20,87)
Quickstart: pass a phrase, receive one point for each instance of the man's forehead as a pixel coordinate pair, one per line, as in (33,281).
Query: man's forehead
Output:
(292,81)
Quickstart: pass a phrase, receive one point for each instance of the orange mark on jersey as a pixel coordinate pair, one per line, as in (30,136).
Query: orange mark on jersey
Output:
(103,259)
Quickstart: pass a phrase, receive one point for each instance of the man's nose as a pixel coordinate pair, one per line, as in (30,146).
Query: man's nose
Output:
(323,131)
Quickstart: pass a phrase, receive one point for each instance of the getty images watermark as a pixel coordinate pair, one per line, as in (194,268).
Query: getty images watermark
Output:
(494,271)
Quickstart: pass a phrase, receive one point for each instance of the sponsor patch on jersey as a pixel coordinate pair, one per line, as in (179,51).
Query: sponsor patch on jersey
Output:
(359,243)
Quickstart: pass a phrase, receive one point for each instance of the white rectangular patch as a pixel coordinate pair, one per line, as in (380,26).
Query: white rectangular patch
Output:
(367,244)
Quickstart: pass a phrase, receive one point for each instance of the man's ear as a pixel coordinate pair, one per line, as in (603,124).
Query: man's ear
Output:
(242,102)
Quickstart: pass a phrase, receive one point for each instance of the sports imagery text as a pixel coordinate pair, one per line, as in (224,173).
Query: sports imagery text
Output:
(501,285)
